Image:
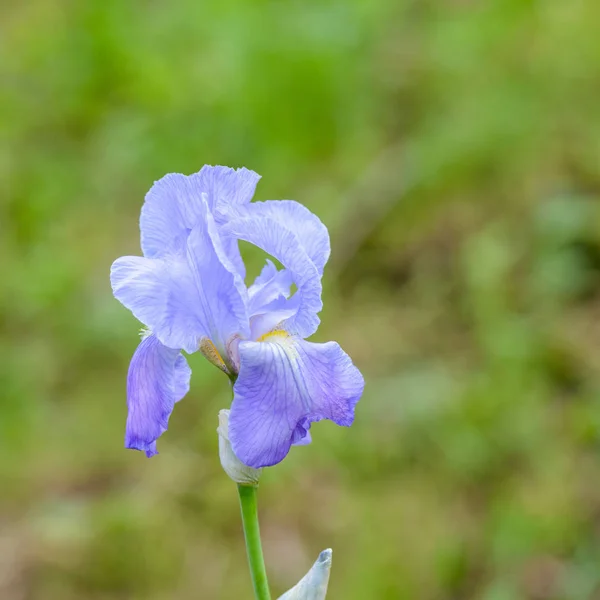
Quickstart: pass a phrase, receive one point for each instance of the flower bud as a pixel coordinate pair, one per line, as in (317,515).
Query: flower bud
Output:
(232,465)
(313,586)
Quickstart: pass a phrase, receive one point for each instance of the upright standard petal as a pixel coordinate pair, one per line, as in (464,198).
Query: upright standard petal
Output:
(223,294)
(282,244)
(306,226)
(270,285)
(228,189)
(266,274)
(158,378)
(273,316)
(173,208)
(184,298)
(285,384)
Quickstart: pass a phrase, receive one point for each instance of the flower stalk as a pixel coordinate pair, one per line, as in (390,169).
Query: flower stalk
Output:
(256,562)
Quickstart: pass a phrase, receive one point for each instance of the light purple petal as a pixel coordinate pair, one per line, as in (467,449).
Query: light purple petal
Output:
(273,315)
(306,226)
(267,273)
(223,294)
(281,243)
(285,384)
(301,435)
(270,285)
(231,249)
(173,207)
(163,295)
(158,378)
(268,304)
(227,189)
(185,297)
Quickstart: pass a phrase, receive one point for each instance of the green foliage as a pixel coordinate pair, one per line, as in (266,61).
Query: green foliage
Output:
(452,147)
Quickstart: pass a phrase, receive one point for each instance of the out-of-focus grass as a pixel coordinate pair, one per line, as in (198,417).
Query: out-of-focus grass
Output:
(453,150)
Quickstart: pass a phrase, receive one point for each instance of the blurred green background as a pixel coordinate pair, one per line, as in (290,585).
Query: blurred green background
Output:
(452,147)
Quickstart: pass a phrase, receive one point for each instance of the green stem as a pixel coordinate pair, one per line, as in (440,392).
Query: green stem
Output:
(253,545)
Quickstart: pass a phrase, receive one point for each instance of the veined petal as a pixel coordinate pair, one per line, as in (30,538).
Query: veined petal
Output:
(223,295)
(270,285)
(183,298)
(158,378)
(284,384)
(273,316)
(227,189)
(267,273)
(306,226)
(173,207)
(301,435)
(281,243)
(232,251)
(162,294)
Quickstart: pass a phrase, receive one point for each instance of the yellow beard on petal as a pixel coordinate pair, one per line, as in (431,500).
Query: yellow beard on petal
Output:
(286,343)
(275,333)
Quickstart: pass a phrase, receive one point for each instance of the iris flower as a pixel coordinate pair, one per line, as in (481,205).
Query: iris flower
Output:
(188,290)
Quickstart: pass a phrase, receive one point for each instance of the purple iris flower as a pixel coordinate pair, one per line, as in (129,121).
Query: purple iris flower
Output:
(188,290)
